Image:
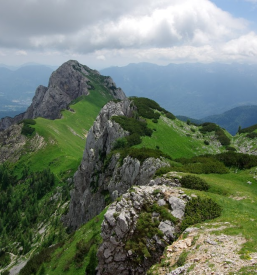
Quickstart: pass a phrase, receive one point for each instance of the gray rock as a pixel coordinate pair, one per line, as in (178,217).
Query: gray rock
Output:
(168,230)
(178,207)
(124,228)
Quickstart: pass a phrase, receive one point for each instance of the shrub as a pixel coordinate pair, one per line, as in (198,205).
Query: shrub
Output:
(120,143)
(206,142)
(133,125)
(202,165)
(5,259)
(252,135)
(237,160)
(170,116)
(208,127)
(26,129)
(193,182)
(230,148)
(198,210)
(133,139)
(163,170)
(92,264)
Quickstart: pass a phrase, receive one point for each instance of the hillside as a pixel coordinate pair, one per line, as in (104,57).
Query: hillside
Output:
(193,90)
(120,167)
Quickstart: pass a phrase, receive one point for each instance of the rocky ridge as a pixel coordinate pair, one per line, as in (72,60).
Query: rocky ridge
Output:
(67,83)
(120,226)
(99,181)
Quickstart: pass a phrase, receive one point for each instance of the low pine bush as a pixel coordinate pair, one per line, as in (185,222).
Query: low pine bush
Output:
(198,210)
(193,182)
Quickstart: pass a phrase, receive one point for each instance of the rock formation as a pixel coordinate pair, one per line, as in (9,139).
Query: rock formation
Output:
(97,180)
(121,229)
(66,84)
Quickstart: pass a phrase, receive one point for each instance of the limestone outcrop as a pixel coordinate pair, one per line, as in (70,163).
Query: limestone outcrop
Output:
(135,231)
(100,179)
(66,84)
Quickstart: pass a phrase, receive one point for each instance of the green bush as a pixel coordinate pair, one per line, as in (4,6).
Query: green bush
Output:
(206,142)
(198,210)
(202,165)
(133,125)
(163,170)
(92,264)
(237,160)
(208,127)
(26,129)
(193,182)
(5,259)
(170,115)
(252,135)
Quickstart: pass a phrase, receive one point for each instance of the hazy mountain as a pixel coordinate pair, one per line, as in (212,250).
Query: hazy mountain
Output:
(193,90)
(243,116)
(17,87)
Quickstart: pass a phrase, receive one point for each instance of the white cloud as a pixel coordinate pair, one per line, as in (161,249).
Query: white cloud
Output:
(21,53)
(101,57)
(171,30)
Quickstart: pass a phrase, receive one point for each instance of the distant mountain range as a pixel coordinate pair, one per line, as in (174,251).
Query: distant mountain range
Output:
(17,87)
(193,90)
(231,120)
(243,116)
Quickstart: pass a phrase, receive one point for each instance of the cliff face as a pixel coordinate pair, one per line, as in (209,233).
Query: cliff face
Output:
(67,83)
(97,180)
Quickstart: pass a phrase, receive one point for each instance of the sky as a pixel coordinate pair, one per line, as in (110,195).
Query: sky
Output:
(104,33)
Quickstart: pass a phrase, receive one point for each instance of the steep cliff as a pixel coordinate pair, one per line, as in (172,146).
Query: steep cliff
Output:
(99,181)
(67,83)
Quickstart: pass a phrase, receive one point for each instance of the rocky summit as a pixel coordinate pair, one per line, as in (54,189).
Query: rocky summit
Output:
(67,83)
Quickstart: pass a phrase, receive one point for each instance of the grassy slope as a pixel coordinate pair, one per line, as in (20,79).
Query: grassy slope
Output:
(65,137)
(238,199)
(243,212)
(176,139)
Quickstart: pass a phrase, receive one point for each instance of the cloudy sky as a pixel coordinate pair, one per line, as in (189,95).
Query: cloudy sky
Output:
(104,33)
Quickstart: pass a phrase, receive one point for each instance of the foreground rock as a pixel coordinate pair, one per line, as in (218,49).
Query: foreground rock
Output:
(66,84)
(137,228)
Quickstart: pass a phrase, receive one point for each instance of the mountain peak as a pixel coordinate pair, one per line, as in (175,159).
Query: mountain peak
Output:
(67,83)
